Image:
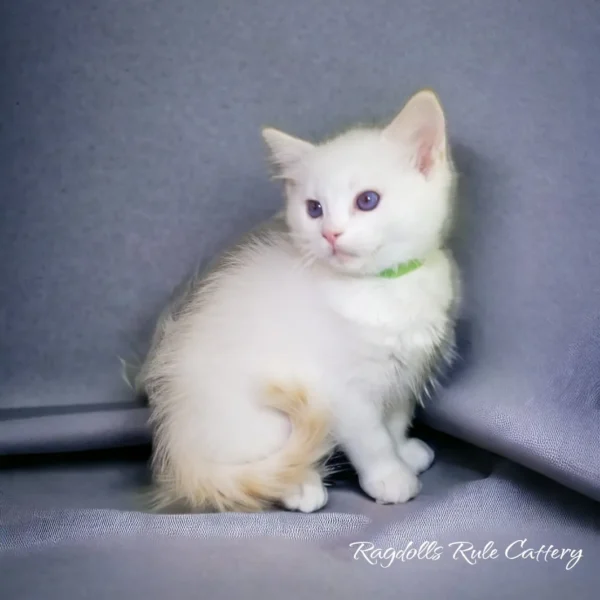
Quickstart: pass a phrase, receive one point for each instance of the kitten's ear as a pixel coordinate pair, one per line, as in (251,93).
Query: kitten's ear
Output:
(422,126)
(285,150)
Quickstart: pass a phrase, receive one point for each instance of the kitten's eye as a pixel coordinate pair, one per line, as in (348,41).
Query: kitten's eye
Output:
(367,200)
(314,209)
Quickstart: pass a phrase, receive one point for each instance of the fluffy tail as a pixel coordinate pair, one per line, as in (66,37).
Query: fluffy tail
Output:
(249,487)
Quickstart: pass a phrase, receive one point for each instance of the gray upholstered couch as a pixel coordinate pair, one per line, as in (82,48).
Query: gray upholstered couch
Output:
(130,151)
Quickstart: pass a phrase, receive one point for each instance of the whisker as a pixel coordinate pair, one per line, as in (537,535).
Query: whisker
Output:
(308,258)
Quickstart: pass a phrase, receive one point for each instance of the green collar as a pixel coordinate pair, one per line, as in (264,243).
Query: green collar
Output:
(401,269)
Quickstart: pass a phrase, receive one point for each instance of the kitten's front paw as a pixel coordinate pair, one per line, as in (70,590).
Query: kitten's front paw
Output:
(393,485)
(306,497)
(416,454)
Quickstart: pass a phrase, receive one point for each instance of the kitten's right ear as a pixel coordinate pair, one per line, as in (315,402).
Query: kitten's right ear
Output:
(285,150)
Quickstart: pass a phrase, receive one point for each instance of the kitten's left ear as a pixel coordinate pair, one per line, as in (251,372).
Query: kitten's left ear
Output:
(285,150)
(421,126)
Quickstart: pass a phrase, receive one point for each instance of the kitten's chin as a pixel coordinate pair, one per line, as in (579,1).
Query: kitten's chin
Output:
(346,263)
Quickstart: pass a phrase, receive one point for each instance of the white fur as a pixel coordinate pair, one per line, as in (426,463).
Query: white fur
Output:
(282,309)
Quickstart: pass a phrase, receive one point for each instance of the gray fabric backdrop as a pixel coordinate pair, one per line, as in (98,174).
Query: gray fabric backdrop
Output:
(130,151)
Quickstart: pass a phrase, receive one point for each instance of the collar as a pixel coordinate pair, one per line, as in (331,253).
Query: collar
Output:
(401,269)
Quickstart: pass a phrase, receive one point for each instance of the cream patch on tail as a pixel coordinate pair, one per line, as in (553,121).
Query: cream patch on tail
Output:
(247,487)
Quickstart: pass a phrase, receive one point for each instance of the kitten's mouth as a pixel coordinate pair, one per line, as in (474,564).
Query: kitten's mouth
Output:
(342,255)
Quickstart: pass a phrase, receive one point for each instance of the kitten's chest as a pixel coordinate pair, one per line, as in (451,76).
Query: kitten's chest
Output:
(405,318)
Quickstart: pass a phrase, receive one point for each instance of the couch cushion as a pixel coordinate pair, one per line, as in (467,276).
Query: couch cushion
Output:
(130,151)
(72,528)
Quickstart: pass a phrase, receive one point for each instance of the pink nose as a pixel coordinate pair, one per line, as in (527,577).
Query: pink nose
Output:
(332,236)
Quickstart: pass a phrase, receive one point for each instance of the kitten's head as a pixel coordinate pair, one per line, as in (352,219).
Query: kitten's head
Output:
(370,198)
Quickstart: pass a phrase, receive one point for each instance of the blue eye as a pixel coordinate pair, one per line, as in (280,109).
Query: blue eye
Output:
(314,209)
(367,200)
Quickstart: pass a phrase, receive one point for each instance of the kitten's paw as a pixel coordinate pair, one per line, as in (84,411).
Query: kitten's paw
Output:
(394,485)
(306,497)
(416,454)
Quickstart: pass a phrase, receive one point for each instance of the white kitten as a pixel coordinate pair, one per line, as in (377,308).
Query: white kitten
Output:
(320,329)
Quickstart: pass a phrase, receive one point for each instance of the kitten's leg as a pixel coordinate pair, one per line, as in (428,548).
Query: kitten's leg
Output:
(413,451)
(361,432)
(308,496)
